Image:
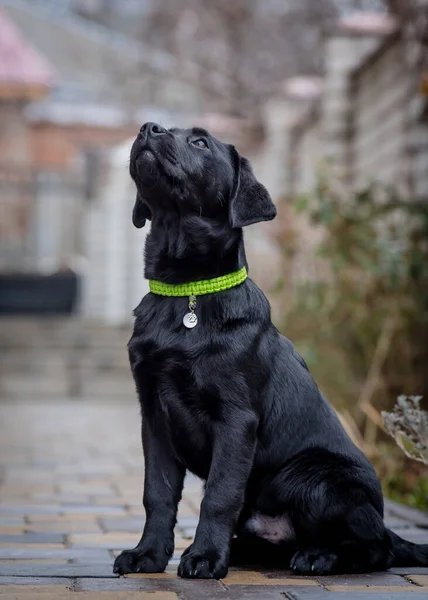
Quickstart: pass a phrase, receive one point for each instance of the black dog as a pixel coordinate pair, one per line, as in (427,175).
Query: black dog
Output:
(231,400)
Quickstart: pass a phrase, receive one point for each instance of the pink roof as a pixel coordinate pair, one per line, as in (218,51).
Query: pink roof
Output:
(368,23)
(19,62)
(304,86)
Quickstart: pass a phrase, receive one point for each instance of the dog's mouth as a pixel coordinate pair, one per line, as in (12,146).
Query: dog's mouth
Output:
(144,165)
(145,157)
(152,160)
(141,150)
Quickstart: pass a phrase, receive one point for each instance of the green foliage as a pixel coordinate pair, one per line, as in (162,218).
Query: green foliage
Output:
(408,490)
(371,266)
(403,479)
(374,252)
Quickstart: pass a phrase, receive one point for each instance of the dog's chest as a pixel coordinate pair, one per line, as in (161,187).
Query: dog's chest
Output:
(174,388)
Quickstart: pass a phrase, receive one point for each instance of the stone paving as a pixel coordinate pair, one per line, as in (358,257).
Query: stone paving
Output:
(70,489)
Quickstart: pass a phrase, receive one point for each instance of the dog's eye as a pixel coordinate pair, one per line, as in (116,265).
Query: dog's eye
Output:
(200,143)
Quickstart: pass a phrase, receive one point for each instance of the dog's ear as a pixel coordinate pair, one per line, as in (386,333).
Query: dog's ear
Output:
(250,201)
(141,212)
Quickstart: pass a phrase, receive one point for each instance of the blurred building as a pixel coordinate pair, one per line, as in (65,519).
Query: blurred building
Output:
(368,124)
(72,128)
(74,89)
(25,77)
(71,89)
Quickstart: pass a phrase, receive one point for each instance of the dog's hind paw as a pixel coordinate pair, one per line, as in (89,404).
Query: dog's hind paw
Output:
(136,561)
(314,561)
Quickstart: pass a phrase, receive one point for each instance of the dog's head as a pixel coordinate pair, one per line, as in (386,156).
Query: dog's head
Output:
(188,171)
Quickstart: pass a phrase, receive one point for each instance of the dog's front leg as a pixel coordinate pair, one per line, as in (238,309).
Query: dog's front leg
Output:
(232,460)
(163,484)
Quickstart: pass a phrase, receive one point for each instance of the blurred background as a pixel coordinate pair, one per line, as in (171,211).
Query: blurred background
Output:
(329,99)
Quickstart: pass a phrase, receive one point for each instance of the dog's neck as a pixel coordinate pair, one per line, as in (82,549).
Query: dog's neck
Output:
(192,248)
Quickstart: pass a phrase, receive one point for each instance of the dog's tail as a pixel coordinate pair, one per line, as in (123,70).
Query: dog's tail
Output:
(407,554)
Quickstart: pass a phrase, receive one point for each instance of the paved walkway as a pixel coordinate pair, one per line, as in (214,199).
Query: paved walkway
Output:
(70,492)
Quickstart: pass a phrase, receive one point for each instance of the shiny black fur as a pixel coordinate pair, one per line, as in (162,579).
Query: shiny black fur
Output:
(231,400)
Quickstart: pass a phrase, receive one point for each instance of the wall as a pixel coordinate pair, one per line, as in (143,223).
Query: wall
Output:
(14,137)
(40,219)
(114,282)
(58,147)
(308,154)
(381,91)
(342,54)
(367,126)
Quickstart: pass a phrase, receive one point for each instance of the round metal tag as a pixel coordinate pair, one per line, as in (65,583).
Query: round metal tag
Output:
(190,320)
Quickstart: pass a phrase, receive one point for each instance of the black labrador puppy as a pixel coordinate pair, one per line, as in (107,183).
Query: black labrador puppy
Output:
(227,397)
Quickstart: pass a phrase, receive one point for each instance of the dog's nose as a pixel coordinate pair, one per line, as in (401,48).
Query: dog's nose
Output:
(152,129)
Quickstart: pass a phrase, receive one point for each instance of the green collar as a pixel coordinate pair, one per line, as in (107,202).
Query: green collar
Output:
(199,288)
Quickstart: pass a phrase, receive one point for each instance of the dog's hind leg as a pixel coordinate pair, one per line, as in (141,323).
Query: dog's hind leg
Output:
(363,547)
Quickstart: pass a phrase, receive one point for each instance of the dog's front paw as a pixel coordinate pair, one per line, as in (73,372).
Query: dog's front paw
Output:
(314,562)
(206,564)
(138,561)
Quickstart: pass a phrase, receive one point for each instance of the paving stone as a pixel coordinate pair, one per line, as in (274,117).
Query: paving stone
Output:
(62,498)
(173,563)
(63,483)
(181,543)
(397,524)
(60,518)
(418,536)
(377,594)
(33,581)
(92,510)
(281,574)
(86,491)
(24,488)
(65,527)
(103,540)
(187,521)
(367,579)
(6,520)
(28,509)
(41,591)
(24,500)
(409,570)
(188,533)
(12,529)
(34,561)
(17,546)
(127,524)
(415,516)
(372,588)
(70,595)
(91,555)
(57,570)
(152,595)
(35,595)
(200,589)
(244,592)
(419,580)
(256,578)
(119,501)
(32,538)
(197,589)
(160,576)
